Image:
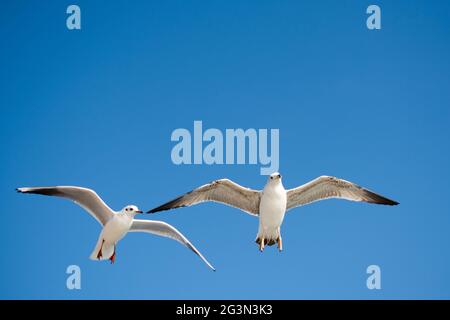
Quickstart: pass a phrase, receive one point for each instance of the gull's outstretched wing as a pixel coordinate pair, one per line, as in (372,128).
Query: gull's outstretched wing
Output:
(166,230)
(326,187)
(85,198)
(224,191)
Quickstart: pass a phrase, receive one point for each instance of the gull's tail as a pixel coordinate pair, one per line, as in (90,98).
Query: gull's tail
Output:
(103,250)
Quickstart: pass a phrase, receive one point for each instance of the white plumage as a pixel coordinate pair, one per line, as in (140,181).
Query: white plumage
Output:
(115,224)
(271,204)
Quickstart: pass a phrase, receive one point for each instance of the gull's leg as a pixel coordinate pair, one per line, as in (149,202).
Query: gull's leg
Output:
(261,244)
(113,257)
(280,243)
(99,255)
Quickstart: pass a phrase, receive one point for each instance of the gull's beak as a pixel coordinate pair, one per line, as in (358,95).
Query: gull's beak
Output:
(139,211)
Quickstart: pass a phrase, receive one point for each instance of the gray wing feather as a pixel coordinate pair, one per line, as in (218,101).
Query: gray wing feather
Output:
(85,198)
(223,191)
(165,230)
(326,187)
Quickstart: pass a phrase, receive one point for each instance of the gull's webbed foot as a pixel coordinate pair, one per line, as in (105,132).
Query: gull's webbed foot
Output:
(113,257)
(99,254)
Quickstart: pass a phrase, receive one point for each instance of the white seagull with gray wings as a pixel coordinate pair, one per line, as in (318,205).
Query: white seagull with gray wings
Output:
(115,224)
(273,201)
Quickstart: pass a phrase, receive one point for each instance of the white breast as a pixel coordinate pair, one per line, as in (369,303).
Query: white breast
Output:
(116,228)
(272,206)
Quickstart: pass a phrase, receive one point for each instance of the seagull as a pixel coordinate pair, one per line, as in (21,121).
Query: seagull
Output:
(271,204)
(115,224)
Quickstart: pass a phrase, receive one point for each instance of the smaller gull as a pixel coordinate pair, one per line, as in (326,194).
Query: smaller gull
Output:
(115,224)
(271,203)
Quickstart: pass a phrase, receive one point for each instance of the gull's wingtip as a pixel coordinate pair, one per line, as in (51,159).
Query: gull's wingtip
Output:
(210,266)
(205,261)
(387,202)
(20,190)
(390,202)
(376,198)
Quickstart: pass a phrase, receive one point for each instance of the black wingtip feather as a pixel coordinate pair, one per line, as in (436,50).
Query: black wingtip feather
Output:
(46,191)
(167,206)
(376,198)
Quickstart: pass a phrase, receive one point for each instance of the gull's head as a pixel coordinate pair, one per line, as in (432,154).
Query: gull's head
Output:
(274,177)
(131,210)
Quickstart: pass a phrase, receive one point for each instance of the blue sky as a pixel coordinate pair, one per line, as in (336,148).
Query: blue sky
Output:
(96,108)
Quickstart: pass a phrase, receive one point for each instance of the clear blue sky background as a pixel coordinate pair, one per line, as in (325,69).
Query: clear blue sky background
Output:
(96,108)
